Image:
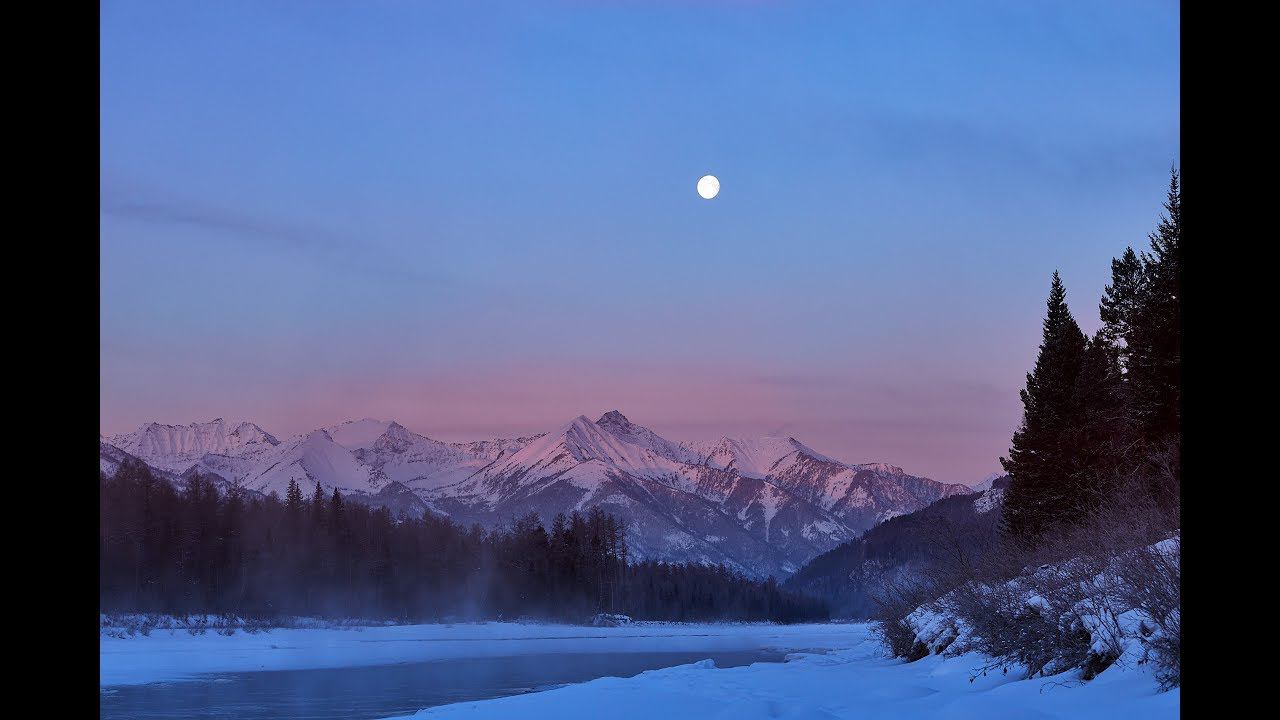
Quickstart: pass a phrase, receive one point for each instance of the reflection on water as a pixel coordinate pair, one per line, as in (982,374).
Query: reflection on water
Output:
(377,692)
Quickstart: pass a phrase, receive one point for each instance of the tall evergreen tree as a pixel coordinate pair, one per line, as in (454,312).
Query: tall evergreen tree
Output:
(1100,438)
(1155,354)
(319,508)
(1121,301)
(293,499)
(1039,492)
(335,512)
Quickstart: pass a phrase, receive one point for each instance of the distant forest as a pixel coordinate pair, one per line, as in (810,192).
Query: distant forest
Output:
(199,550)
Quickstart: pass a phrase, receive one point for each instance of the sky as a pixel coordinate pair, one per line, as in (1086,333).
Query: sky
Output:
(480,218)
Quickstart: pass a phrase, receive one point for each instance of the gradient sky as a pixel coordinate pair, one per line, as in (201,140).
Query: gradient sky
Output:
(479,218)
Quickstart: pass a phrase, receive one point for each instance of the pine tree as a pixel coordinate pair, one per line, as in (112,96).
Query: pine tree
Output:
(335,511)
(293,499)
(233,560)
(1155,354)
(1100,438)
(1039,492)
(318,508)
(1121,302)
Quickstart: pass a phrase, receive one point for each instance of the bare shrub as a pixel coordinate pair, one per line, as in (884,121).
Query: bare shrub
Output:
(1066,598)
(226,624)
(196,625)
(256,625)
(1126,542)
(1012,623)
(1096,662)
(1059,604)
(126,625)
(896,599)
(1151,582)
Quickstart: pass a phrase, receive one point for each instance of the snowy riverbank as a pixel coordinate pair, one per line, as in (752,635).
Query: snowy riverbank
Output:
(845,674)
(854,682)
(167,655)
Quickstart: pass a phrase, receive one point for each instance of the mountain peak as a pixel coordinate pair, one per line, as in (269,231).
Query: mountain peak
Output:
(365,432)
(317,434)
(396,433)
(881,467)
(613,417)
(252,432)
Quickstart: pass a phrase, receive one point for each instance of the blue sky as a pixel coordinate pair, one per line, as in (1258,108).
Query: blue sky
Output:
(479,218)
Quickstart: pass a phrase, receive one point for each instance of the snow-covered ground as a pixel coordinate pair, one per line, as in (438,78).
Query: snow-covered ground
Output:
(854,682)
(167,655)
(839,671)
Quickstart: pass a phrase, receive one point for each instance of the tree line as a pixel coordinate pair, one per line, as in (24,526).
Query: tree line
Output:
(1089,525)
(196,549)
(1103,412)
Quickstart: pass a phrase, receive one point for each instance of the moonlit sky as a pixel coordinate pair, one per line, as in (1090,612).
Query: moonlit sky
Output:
(480,218)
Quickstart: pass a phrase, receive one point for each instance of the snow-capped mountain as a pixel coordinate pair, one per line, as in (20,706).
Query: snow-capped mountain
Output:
(988,481)
(110,458)
(178,447)
(763,505)
(397,455)
(308,459)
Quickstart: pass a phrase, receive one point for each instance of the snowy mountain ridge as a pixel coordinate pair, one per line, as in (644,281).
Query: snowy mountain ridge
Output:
(762,505)
(178,447)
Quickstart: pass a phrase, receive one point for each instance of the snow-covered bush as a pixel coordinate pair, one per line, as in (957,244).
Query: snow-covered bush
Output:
(1015,623)
(125,625)
(610,620)
(1088,613)
(1103,590)
(1151,582)
(897,597)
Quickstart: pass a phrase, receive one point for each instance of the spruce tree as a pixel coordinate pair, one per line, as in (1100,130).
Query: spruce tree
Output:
(318,508)
(1155,355)
(335,511)
(293,499)
(1099,440)
(1039,492)
(1121,302)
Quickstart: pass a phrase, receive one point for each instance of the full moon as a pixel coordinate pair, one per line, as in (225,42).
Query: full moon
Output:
(708,186)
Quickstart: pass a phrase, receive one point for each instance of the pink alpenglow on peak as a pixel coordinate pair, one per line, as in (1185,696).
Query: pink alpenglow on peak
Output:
(764,505)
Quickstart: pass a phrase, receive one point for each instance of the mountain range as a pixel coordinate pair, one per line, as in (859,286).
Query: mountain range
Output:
(764,506)
(906,551)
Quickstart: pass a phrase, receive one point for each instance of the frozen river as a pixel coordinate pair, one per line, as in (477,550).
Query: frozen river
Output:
(488,671)
(377,691)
